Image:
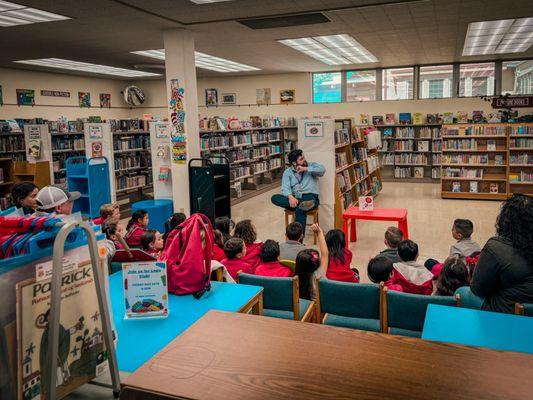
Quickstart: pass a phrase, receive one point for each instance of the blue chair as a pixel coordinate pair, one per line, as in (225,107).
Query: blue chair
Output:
(524,309)
(281,297)
(466,299)
(349,305)
(404,313)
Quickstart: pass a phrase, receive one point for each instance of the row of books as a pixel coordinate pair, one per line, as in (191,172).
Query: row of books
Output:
(239,172)
(477,130)
(362,187)
(131,161)
(341,136)
(63,125)
(131,142)
(405,132)
(372,163)
(259,137)
(359,153)
(460,144)
(343,180)
(411,145)
(341,160)
(126,182)
(129,125)
(521,176)
(521,143)
(436,159)
(474,187)
(260,167)
(360,171)
(435,173)
(462,173)
(472,159)
(217,123)
(410,158)
(69,144)
(387,159)
(523,158)
(437,119)
(208,142)
(427,132)
(521,130)
(347,199)
(240,139)
(11,143)
(258,152)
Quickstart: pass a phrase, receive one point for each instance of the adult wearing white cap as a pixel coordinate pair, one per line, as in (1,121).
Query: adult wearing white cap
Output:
(53,199)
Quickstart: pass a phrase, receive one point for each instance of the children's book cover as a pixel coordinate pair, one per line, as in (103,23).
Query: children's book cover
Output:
(405,118)
(390,119)
(377,120)
(364,119)
(164,173)
(477,116)
(96,148)
(473,187)
(431,118)
(447,118)
(462,117)
(418,118)
(418,172)
(456,187)
(34,148)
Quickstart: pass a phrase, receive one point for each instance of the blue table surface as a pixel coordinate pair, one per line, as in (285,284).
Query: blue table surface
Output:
(140,339)
(479,328)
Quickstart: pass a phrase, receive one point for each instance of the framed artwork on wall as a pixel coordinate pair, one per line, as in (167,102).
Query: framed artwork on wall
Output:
(229,98)
(211,97)
(286,96)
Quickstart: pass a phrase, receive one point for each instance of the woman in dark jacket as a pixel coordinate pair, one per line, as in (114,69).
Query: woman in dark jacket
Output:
(504,272)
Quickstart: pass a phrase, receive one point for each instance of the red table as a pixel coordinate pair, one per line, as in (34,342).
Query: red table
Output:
(378,214)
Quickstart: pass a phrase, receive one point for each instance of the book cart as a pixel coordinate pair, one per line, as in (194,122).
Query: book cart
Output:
(61,308)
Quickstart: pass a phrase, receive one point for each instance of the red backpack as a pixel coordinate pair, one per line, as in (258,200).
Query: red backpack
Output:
(188,262)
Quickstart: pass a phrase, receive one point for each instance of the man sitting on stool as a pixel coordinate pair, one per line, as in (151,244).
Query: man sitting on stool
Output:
(299,186)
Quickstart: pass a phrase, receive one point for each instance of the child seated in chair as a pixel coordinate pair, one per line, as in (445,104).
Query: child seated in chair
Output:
(412,277)
(270,265)
(235,250)
(340,258)
(380,269)
(310,265)
(293,245)
(246,231)
(152,242)
(107,211)
(136,227)
(454,274)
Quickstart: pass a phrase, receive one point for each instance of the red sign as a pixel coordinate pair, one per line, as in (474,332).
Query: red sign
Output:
(54,93)
(512,102)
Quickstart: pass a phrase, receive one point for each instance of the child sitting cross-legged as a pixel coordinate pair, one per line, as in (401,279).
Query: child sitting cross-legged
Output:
(235,250)
(380,269)
(152,242)
(412,277)
(270,265)
(340,258)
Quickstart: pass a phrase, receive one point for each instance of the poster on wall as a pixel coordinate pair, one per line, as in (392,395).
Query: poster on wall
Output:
(229,98)
(161,131)
(176,110)
(105,100)
(96,149)
(84,99)
(211,97)
(263,96)
(287,96)
(81,355)
(96,132)
(314,129)
(25,97)
(145,289)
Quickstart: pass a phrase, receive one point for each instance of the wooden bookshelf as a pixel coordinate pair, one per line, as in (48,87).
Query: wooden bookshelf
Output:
(357,167)
(410,152)
(7,179)
(38,172)
(65,144)
(520,156)
(12,144)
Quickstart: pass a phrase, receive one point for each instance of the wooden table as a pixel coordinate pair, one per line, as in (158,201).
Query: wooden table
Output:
(352,214)
(238,356)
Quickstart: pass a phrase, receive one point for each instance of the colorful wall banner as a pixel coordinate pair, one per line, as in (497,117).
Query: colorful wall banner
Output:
(176,111)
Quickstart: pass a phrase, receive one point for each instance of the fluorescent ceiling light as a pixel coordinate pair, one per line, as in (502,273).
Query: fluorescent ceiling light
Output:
(204,61)
(496,37)
(207,1)
(12,14)
(86,67)
(333,49)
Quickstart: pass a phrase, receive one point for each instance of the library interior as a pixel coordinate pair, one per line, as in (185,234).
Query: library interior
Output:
(266,199)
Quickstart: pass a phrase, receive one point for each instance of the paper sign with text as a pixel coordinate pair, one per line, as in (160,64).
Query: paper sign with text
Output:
(366,203)
(145,289)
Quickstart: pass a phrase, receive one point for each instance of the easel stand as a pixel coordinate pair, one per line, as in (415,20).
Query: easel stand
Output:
(55,307)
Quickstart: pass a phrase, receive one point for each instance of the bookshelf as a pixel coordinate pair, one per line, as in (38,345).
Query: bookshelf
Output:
(12,143)
(520,156)
(7,179)
(67,140)
(410,152)
(475,161)
(357,171)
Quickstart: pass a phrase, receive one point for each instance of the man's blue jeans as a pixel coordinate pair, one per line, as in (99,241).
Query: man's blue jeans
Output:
(301,216)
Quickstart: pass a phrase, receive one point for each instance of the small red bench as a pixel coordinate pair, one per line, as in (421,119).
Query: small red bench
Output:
(352,214)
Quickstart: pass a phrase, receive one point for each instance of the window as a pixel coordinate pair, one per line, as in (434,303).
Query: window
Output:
(361,85)
(327,87)
(397,83)
(436,82)
(476,80)
(517,77)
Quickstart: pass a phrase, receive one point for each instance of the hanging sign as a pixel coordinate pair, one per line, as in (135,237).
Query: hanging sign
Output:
(96,132)
(54,93)
(314,129)
(145,289)
(512,102)
(34,133)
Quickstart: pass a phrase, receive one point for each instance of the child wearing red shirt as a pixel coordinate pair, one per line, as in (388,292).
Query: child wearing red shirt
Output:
(136,227)
(340,258)
(218,246)
(235,250)
(246,231)
(412,277)
(269,265)
(107,211)
(380,269)
(152,242)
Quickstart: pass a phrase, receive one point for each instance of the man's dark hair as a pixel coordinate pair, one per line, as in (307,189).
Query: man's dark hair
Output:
(232,247)
(294,155)
(379,269)
(294,231)
(270,251)
(464,227)
(407,250)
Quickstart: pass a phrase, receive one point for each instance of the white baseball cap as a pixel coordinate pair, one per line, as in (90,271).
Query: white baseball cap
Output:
(53,196)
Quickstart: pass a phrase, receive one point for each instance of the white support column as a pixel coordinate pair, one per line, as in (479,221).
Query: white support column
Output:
(182,111)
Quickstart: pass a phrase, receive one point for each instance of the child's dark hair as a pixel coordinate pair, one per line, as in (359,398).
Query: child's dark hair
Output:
(407,250)
(379,269)
(109,229)
(246,231)
(453,275)
(172,223)
(464,227)
(336,244)
(136,217)
(147,238)
(270,251)
(224,225)
(393,236)
(294,231)
(218,238)
(307,262)
(233,247)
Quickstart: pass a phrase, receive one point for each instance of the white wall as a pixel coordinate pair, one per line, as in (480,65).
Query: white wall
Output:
(53,107)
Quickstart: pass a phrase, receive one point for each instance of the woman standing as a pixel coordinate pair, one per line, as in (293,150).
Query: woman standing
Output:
(24,196)
(504,272)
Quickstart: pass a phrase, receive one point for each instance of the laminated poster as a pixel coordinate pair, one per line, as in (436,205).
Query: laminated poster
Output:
(84,99)
(314,129)
(366,203)
(82,355)
(105,100)
(97,149)
(145,289)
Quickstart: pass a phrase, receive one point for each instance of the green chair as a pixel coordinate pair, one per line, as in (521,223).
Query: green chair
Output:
(466,299)
(348,305)
(404,313)
(290,264)
(281,297)
(524,309)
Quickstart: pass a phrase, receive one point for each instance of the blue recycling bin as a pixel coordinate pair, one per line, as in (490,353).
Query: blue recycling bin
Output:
(159,211)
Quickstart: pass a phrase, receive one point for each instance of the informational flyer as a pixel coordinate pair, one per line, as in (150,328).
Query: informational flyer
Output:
(366,203)
(145,289)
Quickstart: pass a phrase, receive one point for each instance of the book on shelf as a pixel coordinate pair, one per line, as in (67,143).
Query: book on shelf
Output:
(164,173)
(493,188)
(498,159)
(364,119)
(418,118)
(377,119)
(431,118)
(456,187)
(390,119)
(447,118)
(435,173)
(473,187)
(514,177)
(418,172)
(404,118)
(342,136)
(462,117)
(387,132)
(477,116)
(341,160)
(423,145)
(491,145)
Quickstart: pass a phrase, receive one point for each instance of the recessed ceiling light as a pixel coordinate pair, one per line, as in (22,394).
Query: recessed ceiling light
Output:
(207,1)
(332,49)
(496,37)
(204,61)
(86,67)
(12,14)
